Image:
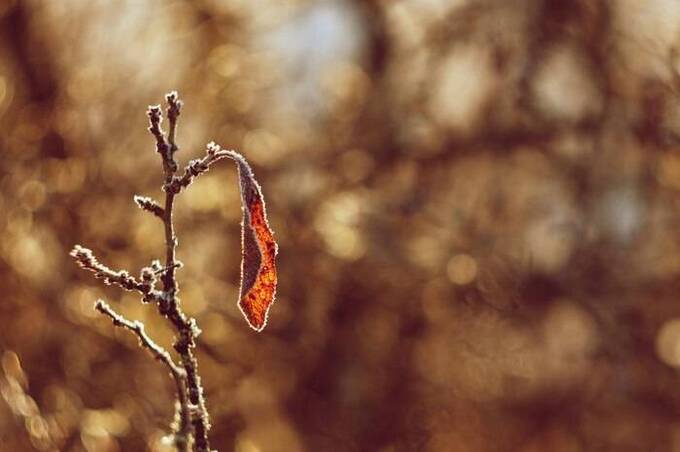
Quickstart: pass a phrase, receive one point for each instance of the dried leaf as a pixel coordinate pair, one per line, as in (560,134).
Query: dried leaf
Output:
(258,265)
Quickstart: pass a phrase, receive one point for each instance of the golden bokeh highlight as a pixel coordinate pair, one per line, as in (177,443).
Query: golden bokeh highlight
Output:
(337,222)
(668,343)
(462,269)
(4,91)
(668,170)
(246,445)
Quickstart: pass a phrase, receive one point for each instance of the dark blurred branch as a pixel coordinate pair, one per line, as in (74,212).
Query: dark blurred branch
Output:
(29,52)
(14,391)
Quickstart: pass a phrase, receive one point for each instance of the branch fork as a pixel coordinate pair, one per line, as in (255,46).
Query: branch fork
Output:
(191,425)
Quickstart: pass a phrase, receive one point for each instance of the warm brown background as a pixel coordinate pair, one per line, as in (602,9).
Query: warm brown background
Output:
(477,206)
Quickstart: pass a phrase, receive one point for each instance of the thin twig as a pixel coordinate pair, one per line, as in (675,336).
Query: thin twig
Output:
(137,327)
(179,374)
(173,112)
(148,204)
(87,260)
(199,166)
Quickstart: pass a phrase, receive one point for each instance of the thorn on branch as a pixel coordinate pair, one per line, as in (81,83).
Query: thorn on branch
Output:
(159,270)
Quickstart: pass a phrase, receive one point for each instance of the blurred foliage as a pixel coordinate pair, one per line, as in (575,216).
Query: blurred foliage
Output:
(476,203)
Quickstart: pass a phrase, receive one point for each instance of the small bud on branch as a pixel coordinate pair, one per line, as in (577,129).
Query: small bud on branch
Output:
(148,204)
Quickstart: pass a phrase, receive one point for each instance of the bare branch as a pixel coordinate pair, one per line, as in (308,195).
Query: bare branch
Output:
(191,418)
(178,373)
(170,307)
(199,166)
(86,259)
(137,328)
